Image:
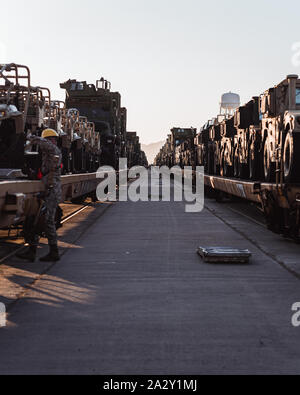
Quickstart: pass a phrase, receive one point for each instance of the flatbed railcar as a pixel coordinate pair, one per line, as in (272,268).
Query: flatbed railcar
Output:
(19,198)
(280,203)
(86,143)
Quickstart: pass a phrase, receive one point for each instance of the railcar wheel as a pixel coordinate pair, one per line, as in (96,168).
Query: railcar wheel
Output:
(291,158)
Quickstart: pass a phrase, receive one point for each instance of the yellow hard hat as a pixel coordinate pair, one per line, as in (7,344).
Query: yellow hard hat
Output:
(49,133)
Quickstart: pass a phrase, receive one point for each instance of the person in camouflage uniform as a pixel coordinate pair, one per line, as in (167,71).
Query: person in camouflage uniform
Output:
(51,171)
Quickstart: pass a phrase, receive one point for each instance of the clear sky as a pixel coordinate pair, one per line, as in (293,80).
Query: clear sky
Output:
(170,59)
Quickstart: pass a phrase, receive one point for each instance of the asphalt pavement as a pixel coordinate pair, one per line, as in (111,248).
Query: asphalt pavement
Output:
(131,296)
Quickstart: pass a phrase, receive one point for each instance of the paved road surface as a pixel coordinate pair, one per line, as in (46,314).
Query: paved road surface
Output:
(132,297)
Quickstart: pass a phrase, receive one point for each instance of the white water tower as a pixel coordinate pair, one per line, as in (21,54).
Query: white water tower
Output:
(229,103)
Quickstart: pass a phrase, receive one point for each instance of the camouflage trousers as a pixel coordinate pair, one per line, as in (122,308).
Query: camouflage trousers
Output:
(50,207)
(51,203)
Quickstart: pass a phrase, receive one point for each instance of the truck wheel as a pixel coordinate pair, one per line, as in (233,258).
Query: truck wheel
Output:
(222,165)
(209,167)
(228,170)
(253,164)
(291,157)
(269,166)
(205,168)
(216,168)
(205,160)
(244,170)
(236,164)
(211,162)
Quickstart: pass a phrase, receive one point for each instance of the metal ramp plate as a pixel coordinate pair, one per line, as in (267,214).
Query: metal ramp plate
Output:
(224,255)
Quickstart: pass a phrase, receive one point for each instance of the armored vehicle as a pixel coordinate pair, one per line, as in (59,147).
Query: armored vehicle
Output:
(103,108)
(280,126)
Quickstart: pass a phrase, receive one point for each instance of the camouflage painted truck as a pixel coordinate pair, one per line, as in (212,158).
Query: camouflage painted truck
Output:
(102,107)
(254,153)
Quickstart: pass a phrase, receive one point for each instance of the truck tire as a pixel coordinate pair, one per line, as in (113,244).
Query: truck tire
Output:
(222,164)
(211,161)
(216,166)
(291,158)
(243,171)
(269,166)
(236,164)
(228,170)
(206,163)
(254,164)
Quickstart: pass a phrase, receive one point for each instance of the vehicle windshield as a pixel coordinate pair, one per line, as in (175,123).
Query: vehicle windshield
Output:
(298,96)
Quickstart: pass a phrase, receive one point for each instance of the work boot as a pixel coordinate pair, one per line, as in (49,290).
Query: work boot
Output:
(52,256)
(29,254)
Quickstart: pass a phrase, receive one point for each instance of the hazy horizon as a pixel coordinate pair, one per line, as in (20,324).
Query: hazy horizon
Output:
(170,60)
